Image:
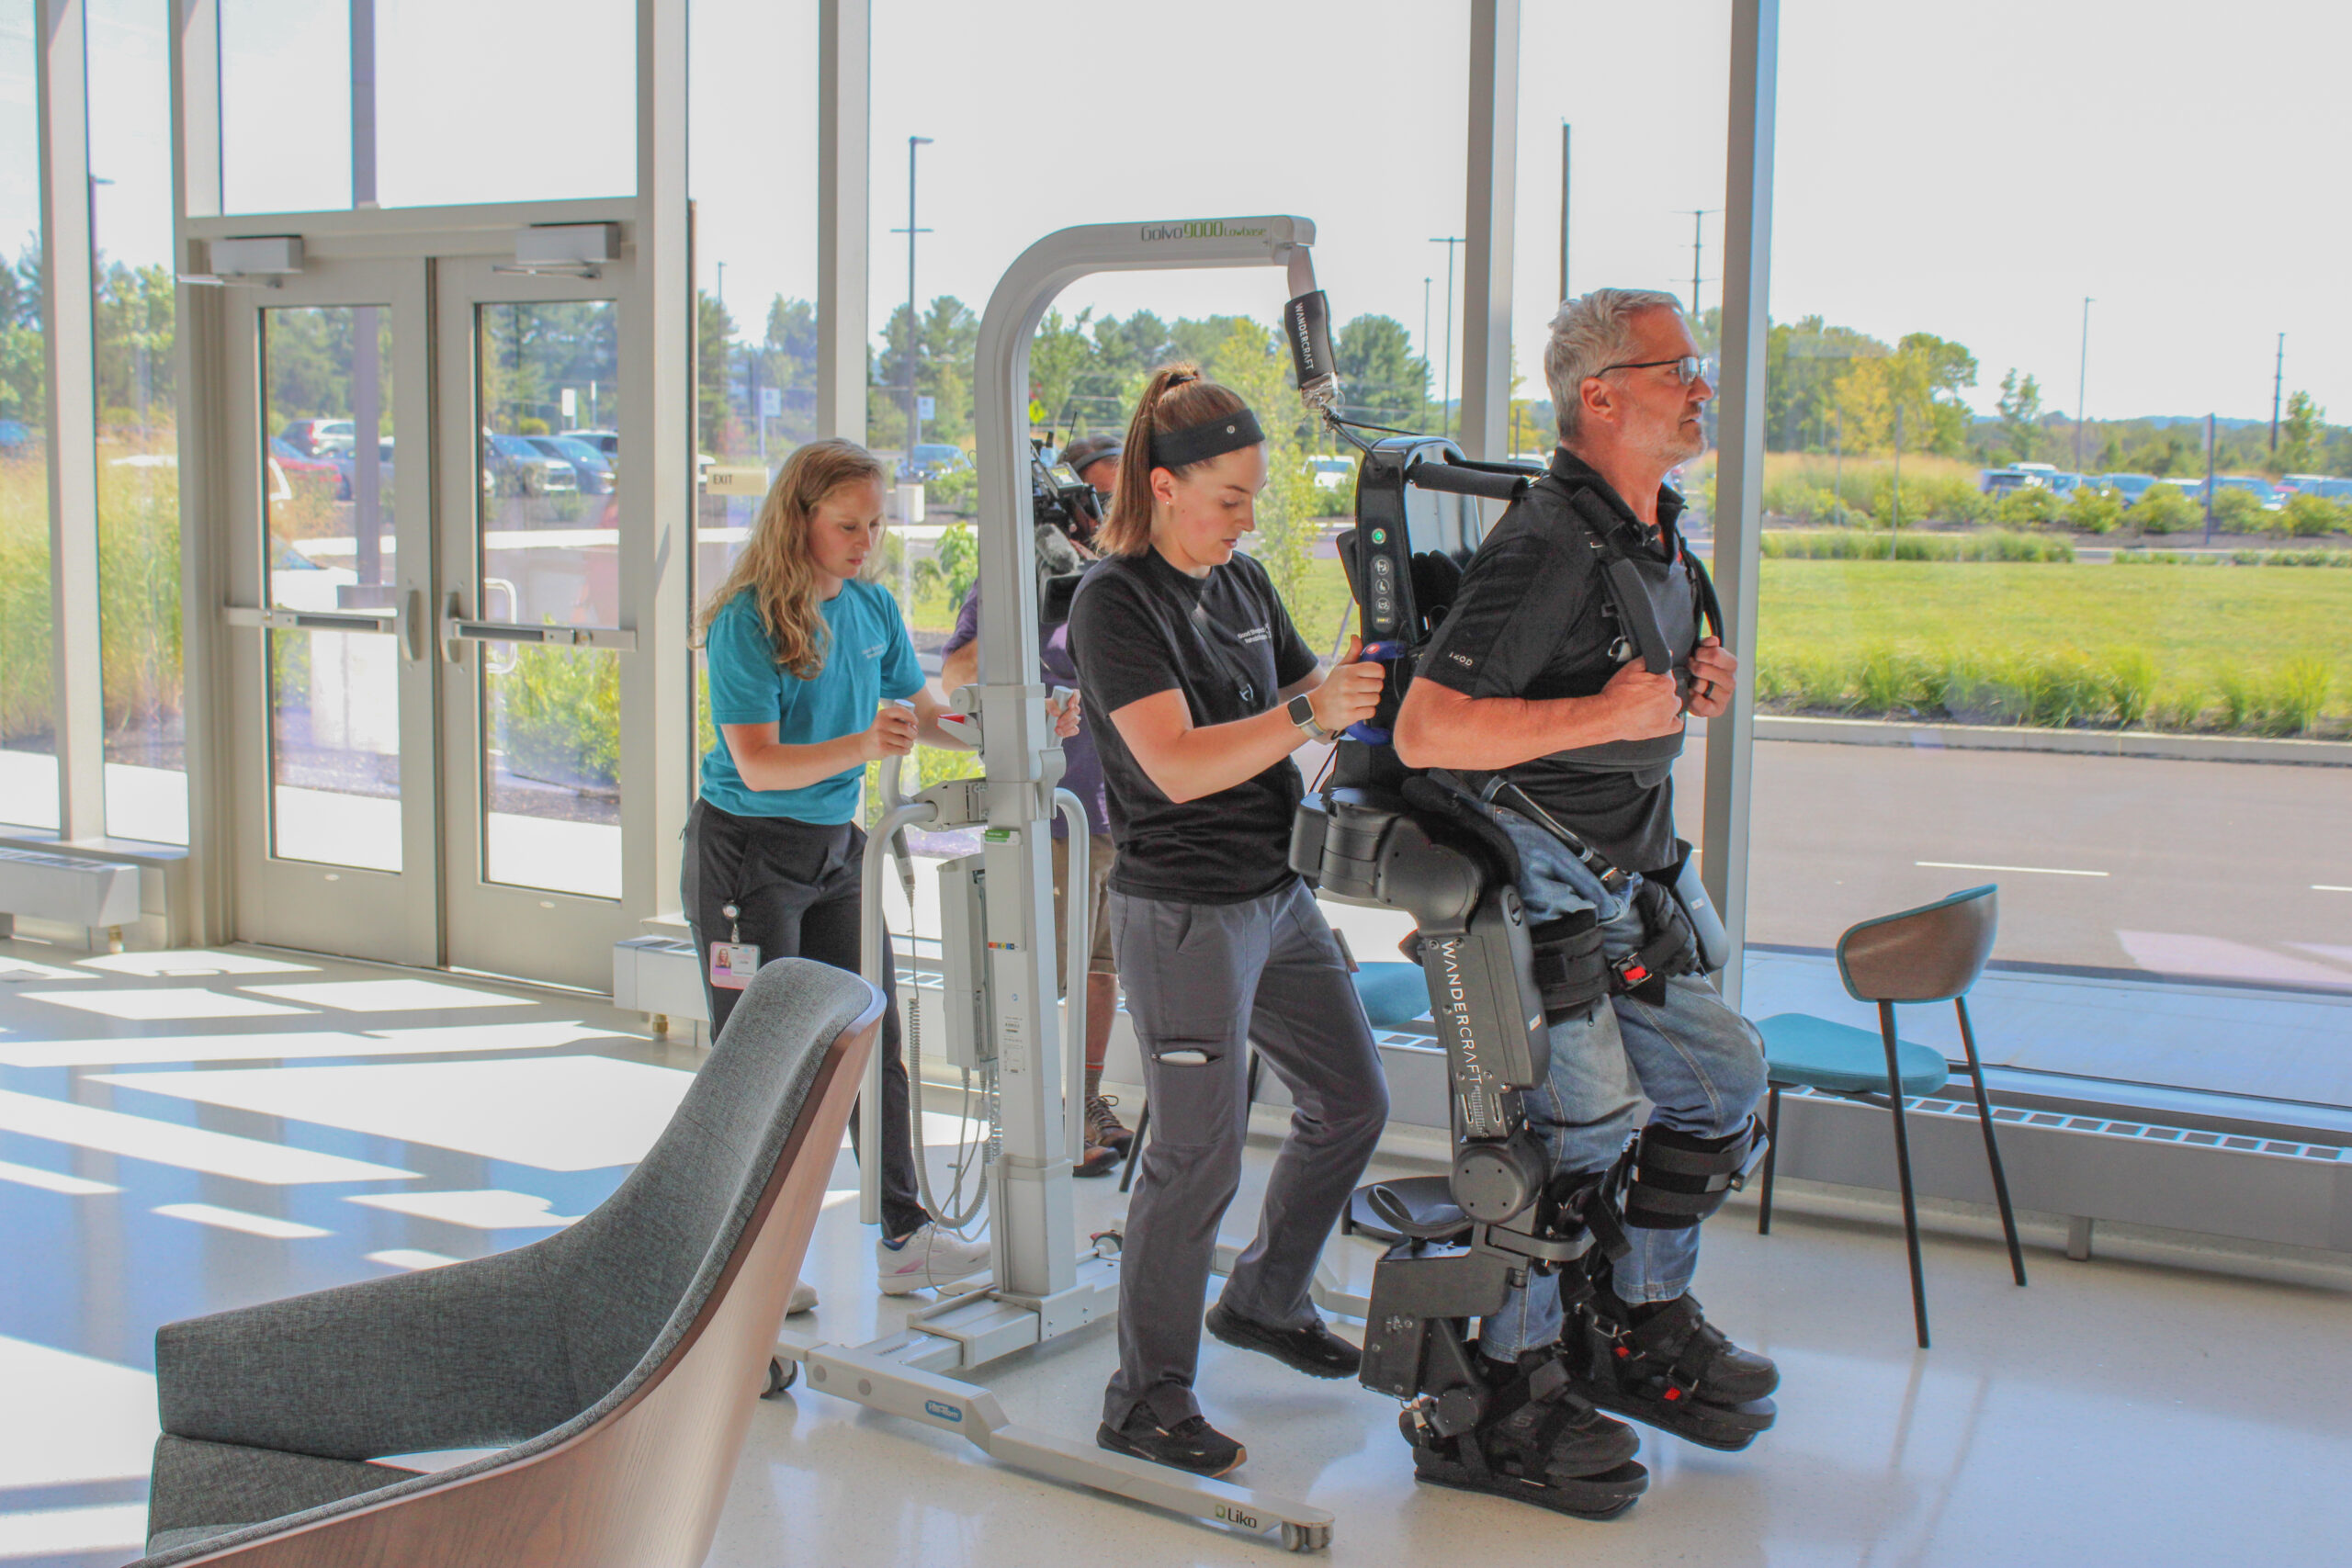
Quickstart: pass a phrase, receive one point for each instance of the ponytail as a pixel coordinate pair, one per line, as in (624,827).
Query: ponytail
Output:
(1176,398)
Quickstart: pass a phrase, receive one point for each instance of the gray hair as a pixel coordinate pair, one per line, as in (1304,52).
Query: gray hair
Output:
(1589,332)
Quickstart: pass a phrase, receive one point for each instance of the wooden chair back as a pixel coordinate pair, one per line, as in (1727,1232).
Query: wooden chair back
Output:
(1932,953)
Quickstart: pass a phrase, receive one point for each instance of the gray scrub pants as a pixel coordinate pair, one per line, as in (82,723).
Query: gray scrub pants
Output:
(1204,983)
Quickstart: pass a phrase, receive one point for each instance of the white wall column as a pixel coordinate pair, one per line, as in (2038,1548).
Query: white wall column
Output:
(657,765)
(844,134)
(68,277)
(204,514)
(1740,460)
(1489,202)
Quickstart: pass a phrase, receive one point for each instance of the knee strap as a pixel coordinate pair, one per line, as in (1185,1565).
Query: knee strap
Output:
(1675,1180)
(1570,969)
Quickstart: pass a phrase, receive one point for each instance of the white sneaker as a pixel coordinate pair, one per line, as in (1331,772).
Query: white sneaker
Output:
(804,1299)
(930,1258)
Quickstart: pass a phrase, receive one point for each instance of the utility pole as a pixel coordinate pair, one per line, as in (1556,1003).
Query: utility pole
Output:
(2278,379)
(914,321)
(1699,216)
(1564,210)
(1445,388)
(2082,380)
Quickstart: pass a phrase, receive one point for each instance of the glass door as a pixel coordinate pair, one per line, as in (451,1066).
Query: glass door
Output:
(330,567)
(536,439)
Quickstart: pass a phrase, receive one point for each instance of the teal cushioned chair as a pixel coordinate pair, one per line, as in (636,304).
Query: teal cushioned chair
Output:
(1932,953)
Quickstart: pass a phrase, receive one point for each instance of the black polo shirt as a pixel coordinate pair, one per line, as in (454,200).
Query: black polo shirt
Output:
(1137,628)
(1531,620)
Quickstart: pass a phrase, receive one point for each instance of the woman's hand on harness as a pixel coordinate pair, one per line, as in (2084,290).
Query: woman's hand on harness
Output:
(1640,704)
(892,734)
(1713,672)
(1349,691)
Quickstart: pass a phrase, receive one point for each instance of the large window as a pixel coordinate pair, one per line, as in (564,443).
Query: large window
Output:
(28,742)
(1074,146)
(2048,658)
(1643,187)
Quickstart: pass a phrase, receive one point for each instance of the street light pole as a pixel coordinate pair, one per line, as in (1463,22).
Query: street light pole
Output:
(2082,380)
(1445,388)
(2278,379)
(914,323)
(1563,211)
(1698,222)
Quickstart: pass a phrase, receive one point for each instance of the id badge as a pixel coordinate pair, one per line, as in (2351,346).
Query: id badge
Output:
(733,963)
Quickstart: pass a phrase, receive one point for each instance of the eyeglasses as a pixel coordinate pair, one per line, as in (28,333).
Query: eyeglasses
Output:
(1687,370)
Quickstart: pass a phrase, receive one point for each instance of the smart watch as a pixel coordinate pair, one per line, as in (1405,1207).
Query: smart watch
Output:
(1302,714)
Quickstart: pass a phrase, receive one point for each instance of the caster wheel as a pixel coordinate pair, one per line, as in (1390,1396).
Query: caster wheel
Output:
(1305,1538)
(1108,1243)
(782,1375)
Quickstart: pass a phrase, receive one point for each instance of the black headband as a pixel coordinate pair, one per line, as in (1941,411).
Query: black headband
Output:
(1199,443)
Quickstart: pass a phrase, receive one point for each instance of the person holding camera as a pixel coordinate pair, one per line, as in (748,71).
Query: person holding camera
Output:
(1200,689)
(1535,678)
(811,677)
(1095,460)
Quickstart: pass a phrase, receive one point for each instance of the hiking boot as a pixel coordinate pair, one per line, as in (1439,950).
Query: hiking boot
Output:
(1103,1127)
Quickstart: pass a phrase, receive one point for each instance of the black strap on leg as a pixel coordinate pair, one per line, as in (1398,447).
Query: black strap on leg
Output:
(1676,1179)
(1571,971)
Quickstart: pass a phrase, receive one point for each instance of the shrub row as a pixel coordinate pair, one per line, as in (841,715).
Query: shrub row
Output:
(2060,689)
(1797,544)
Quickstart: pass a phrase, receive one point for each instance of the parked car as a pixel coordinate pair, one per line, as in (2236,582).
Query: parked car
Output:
(930,460)
(2126,488)
(2301,484)
(604,441)
(348,465)
(2331,489)
(1333,474)
(2064,484)
(298,464)
(594,470)
(320,437)
(2260,488)
(512,466)
(15,438)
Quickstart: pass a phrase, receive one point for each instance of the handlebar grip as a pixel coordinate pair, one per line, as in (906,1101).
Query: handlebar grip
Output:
(1457,480)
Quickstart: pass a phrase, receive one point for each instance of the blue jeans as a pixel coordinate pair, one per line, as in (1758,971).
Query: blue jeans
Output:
(1701,1065)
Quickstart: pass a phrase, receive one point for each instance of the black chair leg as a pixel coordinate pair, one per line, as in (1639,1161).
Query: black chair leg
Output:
(1771,1152)
(1991,1146)
(1903,1173)
(1134,1150)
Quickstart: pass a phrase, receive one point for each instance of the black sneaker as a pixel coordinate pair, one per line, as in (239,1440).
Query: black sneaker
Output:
(1315,1349)
(1191,1444)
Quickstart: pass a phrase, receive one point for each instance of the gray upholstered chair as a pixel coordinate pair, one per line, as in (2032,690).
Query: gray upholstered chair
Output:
(1932,953)
(615,1364)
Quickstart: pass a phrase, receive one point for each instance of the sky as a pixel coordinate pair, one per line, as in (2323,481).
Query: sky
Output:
(1970,171)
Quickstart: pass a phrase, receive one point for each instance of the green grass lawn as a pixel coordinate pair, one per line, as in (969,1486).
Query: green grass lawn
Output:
(2257,648)
(2191,620)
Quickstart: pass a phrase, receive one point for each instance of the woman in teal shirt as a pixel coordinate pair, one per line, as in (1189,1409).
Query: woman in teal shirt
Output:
(811,677)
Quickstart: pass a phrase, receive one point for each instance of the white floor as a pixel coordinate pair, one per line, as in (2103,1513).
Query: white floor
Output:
(165,1150)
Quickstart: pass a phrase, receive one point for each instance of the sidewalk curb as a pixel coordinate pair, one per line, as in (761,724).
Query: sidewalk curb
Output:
(2083,742)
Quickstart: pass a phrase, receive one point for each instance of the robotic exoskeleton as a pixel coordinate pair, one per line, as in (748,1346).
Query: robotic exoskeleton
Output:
(1384,835)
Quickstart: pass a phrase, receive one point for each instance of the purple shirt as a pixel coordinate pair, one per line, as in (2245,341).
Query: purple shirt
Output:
(1082,769)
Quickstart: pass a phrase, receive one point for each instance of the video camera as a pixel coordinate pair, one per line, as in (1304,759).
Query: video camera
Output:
(1067,514)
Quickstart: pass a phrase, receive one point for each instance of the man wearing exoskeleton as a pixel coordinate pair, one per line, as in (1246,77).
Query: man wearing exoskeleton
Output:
(1546,690)
(1512,793)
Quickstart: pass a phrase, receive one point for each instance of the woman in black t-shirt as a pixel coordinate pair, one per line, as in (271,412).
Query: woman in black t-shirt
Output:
(1184,647)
